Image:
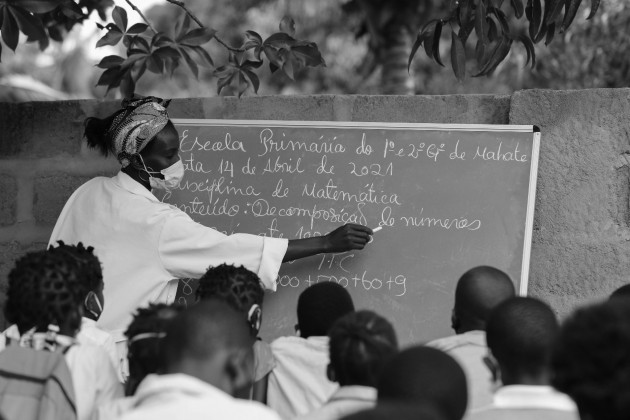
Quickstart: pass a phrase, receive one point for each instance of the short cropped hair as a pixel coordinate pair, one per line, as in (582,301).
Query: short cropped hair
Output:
(425,375)
(237,286)
(45,288)
(622,292)
(145,336)
(591,362)
(521,333)
(320,305)
(360,344)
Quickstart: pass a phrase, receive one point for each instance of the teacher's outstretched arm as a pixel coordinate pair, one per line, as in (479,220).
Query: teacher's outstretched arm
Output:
(345,238)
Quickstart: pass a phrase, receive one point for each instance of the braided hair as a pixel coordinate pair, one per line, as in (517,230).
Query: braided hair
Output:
(360,344)
(144,335)
(88,263)
(237,286)
(45,288)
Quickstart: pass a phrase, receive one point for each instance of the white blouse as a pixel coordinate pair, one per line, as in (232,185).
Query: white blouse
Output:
(144,244)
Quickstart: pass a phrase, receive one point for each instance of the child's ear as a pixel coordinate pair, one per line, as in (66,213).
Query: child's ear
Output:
(240,369)
(330,372)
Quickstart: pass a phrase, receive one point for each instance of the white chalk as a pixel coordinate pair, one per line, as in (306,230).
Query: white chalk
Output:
(377,229)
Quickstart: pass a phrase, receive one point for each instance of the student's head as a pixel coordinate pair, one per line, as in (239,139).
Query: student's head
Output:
(211,342)
(145,336)
(91,275)
(398,411)
(591,361)
(319,306)
(621,293)
(46,288)
(425,375)
(141,136)
(521,333)
(237,286)
(478,292)
(360,344)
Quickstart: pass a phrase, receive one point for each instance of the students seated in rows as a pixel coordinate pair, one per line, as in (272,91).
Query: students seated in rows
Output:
(243,290)
(521,333)
(360,344)
(591,363)
(477,293)
(94,302)
(46,292)
(207,357)
(298,384)
(424,375)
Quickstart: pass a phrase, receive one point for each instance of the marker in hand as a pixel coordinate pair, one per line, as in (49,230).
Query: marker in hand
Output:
(373,232)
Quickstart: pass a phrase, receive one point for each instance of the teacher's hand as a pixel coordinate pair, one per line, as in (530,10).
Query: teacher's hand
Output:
(347,237)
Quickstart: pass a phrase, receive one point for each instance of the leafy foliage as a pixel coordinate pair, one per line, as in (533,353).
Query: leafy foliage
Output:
(494,31)
(156,51)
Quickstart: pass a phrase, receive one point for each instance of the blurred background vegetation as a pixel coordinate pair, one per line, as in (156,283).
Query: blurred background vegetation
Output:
(592,53)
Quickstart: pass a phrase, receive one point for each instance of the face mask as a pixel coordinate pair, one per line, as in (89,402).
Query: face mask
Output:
(173,175)
(95,311)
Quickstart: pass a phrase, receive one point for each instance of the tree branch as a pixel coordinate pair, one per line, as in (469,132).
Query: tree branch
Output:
(133,6)
(201,25)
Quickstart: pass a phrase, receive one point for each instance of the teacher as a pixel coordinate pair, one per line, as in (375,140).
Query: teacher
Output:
(143,244)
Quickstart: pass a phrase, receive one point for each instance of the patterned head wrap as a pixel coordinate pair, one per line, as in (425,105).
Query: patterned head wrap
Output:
(133,128)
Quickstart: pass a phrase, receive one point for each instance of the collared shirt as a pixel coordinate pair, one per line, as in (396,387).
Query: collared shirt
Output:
(528,402)
(179,396)
(93,376)
(469,349)
(144,244)
(92,334)
(345,401)
(299,384)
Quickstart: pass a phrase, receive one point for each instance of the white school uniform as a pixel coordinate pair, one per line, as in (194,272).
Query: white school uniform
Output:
(91,334)
(179,396)
(299,384)
(345,401)
(144,244)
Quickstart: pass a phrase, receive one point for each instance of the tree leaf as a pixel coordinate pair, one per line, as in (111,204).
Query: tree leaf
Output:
(132,58)
(110,61)
(493,31)
(554,10)
(534,23)
(308,54)
(171,65)
(480,21)
(40,6)
(436,43)
(498,55)
(517,5)
(529,47)
(204,57)
(458,57)
(112,37)
(502,18)
(30,25)
(10,32)
(127,86)
(72,10)
(182,26)
(287,25)
(137,28)
(155,64)
(279,40)
(253,78)
(420,38)
(198,36)
(570,10)
(120,18)
(594,7)
(110,77)
(191,64)
(480,50)
(464,12)
(551,31)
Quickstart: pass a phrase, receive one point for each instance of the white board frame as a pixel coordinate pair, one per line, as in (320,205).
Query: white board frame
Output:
(533,175)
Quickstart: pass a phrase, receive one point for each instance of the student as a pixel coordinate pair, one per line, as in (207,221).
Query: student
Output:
(145,336)
(591,363)
(424,375)
(478,292)
(398,411)
(622,292)
(242,289)
(521,333)
(48,288)
(144,243)
(207,357)
(299,384)
(360,344)
(93,303)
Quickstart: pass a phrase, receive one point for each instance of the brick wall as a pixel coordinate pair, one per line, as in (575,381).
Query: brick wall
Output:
(581,243)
